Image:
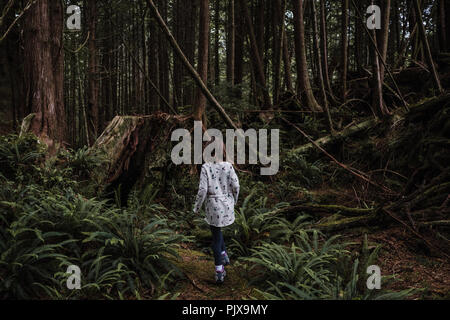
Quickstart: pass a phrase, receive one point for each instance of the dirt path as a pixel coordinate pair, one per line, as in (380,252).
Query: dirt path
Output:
(199,268)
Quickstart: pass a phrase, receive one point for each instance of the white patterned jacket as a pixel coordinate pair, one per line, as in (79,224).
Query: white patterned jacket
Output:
(219,185)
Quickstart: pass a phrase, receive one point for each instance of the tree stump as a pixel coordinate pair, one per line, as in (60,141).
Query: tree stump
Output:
(132,146)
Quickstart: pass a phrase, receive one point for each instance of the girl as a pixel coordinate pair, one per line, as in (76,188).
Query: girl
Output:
(219,185)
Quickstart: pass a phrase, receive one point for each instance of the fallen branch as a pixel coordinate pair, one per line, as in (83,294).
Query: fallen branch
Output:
(333,209)
(348,132)
(347,223)
(429,244)
(353,171)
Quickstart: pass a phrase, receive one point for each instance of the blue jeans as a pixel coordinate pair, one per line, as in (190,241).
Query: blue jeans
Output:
(218,245)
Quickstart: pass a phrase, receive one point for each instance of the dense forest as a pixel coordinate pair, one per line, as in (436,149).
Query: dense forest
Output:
(91,91)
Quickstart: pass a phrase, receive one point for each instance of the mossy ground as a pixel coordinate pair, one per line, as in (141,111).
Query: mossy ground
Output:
(200,284)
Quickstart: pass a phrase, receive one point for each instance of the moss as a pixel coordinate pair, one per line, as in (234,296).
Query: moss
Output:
(203,235)
(340,224)
(200,271)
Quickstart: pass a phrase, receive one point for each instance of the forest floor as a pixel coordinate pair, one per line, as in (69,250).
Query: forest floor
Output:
(406,257)
(401,255)
(200,285)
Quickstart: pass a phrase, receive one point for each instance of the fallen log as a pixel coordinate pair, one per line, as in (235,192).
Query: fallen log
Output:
(416,111)
(349,223)
(329,209)
(348,132)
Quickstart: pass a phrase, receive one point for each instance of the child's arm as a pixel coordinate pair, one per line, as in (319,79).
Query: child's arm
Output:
(202,190)
(234,184)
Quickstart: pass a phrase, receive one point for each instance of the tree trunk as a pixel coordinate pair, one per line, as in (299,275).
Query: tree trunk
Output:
(216,70)
(287,65)
(304,85)
(383,35)
(177,79)
(231,41)
(239,52)
(189,30)
(319,66)
(324,47)
(200,101)
(13,60)
(344,49)
(377,84)
(442,28)
(163,53)
(256,55)
(426,44)
(278,31)
(93,89)
(447,24)
(359,41)
(44,71)
(196,77)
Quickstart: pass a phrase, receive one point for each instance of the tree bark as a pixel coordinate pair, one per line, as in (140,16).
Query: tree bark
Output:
(215,73)
(200,101)
(43,67)
(189,30)
(133,146)
(278,31)
(304,85)
(93,88)
(231,41)
(447,24)
(239,51)
(163,53)
(287,65)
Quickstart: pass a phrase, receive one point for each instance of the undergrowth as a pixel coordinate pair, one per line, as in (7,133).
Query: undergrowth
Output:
(51,218)
(47,224)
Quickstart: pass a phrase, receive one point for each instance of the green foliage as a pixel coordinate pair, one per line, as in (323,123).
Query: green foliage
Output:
(118,251)
(298,176)
(18,156)
(284,230)
(46,226)
(311,269)
(83,162)
(253,224)
(48,222)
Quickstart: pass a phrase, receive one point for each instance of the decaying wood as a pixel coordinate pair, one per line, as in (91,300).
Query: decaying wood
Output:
(357,173)
(26,124)
(131,145)
(419,109)
(333,209)
(346,133)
